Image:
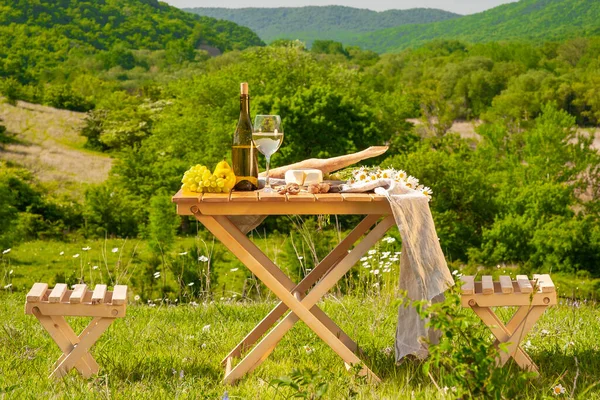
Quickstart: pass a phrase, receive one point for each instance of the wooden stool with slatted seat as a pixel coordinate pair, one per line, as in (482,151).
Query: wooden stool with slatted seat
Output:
(531,296)
(51,307)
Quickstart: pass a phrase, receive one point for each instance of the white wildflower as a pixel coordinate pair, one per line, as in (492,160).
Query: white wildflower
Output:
(191,284)
(137,297)
(401,175)
(233,269)
(6,251)
(76,255)
(427,192)
(300,258)
(206,328)
(364,259)
(308,349)
(203,345)
(183,254)
(544,332)
(375,272)
(203,258)
(371,252)
(95,267)
(8,286)
(558,389)
(10,272)
(455,272)
(394,259)
(87,248)
(115,249)
(62,253)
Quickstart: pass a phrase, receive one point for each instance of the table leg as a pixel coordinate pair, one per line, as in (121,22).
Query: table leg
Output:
(310,279)
(251,256)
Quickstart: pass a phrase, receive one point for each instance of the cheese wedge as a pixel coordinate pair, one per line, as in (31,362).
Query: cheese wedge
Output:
(312,176)
(295,176)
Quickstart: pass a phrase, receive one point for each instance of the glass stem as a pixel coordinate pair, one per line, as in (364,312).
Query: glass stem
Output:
(267,186)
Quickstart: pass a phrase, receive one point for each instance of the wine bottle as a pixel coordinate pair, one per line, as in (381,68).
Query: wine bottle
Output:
(244,155)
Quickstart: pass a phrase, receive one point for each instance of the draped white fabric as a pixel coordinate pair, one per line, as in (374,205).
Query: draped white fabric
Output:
(424,274)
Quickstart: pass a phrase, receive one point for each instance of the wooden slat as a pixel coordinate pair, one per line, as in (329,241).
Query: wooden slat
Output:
(506,284)
(378,197)
(215,198)
(58,293)
(271,196)
(119,295)
(99,294)
(357,197)
(524,284)
(243,196)
(37,292)
(468,286)
(301,197)
(545,283)
(329,197)
(78,293)
(487,284)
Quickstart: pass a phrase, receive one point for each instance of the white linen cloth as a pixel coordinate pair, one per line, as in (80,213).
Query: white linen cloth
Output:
(424,273)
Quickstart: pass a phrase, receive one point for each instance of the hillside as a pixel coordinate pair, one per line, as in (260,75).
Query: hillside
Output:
(329,22)
(537,20)
(41,34)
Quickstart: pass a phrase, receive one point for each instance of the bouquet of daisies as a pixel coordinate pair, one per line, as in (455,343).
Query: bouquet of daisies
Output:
(366,174)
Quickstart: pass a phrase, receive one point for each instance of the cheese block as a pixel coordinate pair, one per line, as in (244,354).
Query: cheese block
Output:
(312,176)
(294,176)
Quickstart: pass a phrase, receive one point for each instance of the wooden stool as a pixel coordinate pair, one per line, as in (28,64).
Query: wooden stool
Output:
(531,296)
(51,306)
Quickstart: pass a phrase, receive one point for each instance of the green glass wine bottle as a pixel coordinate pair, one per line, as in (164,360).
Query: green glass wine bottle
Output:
(244,155)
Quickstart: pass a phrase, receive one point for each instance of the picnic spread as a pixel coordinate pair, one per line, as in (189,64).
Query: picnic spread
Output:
(385,202)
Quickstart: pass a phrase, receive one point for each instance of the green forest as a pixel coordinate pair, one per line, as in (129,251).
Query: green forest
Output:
(320,23)
(532,20)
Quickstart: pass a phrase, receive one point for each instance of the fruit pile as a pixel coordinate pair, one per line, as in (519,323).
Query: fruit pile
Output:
(199,179)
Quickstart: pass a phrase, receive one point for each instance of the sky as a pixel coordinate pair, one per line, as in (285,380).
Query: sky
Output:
(457,6)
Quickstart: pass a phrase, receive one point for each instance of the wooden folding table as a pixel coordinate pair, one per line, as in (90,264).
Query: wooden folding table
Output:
(213,210)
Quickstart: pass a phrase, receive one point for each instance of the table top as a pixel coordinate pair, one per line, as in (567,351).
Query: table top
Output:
(261,203)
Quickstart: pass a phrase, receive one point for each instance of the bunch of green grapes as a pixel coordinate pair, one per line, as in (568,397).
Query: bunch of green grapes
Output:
(200,179)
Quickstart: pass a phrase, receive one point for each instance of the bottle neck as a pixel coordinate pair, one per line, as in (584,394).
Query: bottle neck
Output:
(245,105)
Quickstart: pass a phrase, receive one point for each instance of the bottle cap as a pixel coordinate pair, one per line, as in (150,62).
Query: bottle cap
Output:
(244,88)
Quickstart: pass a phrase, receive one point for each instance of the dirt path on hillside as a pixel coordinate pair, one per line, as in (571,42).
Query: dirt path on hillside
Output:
(466,129)
(49,145)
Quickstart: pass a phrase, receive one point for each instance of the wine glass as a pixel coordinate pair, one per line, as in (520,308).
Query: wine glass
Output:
(267,136)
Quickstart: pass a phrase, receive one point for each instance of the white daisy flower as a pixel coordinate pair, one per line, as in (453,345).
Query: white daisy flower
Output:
(115,249)
(203,258)
(206,328)
(558,389)
(401,175)
(136,297)
(191,284)
(412,182)
(10,272)
(364,259)
(95,267)
(427,192)
(8,286)
(394,259)
(233,269)
(300,258)
(308,349)
(375,272)
(87,248)
(183,254)
(76,255)
(6,251)
(62,253)
(371,252)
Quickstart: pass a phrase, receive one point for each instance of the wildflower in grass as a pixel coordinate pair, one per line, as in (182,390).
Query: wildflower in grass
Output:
(387,351)
(375,272)
(427,192)
(206,328)
(371,252)
(76,255)
(455,272)
(191,284)
(10,272)
(397,253)
(393,259)
(558,390)
(366,265)
(137,297)
(156,275)
(62,253)
(87,248)
(527,345)
(308,349)
(193,304)
(233,269)
(300,258)
(376,285)
(203,345)
(389,239)
(115,249)
(8,286)
(95,267)
(544,332)
(183,254)
(6,251)
(363,259)
(203,258)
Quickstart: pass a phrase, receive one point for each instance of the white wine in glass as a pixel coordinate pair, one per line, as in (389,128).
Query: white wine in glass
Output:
(267,137)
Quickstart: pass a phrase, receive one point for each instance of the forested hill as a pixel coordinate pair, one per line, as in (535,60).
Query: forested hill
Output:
(329,22)
(39,34)
(537,20)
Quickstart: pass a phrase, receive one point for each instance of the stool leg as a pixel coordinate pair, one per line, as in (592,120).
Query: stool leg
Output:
(74,339)
(535,312)
(57,333)
(491,320)
(87,340)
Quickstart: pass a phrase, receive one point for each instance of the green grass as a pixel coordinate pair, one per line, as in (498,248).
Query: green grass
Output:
(166,352)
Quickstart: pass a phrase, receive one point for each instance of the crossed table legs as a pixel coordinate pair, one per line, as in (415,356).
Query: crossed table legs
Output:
(292,296)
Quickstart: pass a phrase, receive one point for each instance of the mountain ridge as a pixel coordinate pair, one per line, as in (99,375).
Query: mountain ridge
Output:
(319,22)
